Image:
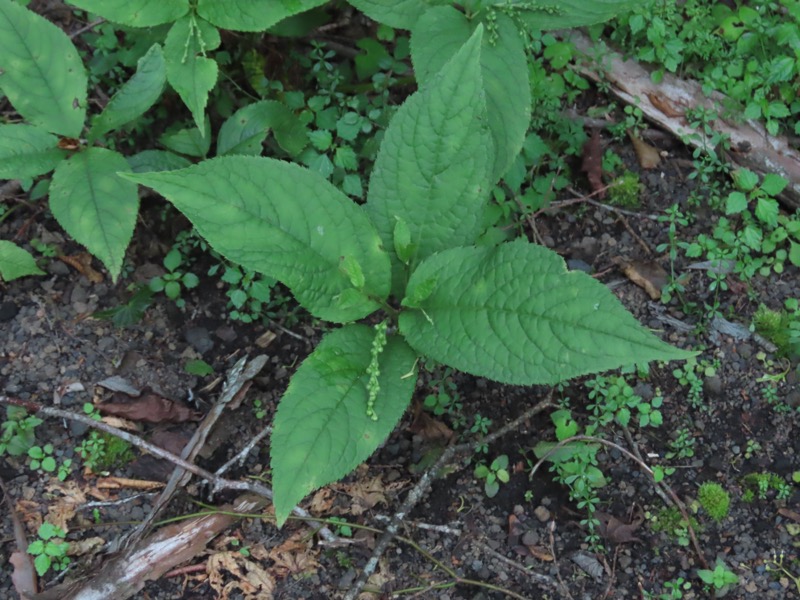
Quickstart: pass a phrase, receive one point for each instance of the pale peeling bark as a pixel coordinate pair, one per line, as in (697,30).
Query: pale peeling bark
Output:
(666,102)
(167,548)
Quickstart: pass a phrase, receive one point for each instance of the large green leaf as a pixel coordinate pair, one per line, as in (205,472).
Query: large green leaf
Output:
(321,430)
(136,13)
(137,95)
(156,160)
(436,37)
(287,222)
(252,15)
(433,169)
(96,206)
(27,151)
(15,262)
(564,14)
(395,13)
(514,314)
(246,129)
(41,71)
(189,71)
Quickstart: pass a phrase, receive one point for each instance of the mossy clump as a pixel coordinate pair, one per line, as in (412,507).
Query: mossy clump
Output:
(773,325)
(625,190)
(116,452)
(714,500)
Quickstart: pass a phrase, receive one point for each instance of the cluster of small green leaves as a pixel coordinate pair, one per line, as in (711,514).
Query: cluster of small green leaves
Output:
(756,242)
(18,431)
(49,549)
(614,400)
(749,53)
(759,485)
(576,465)
(691,375)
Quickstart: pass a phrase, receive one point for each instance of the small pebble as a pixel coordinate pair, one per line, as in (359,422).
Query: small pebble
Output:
(542,514)
(8,310)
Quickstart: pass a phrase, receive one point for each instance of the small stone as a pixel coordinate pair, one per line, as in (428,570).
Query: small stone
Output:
(576,264)
(8,310)
(226,333)
(530,538)
(199,339)
(713,386)
(542,514)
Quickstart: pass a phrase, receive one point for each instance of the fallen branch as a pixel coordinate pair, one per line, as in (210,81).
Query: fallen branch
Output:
(666,104)
(217,483)
(420,489)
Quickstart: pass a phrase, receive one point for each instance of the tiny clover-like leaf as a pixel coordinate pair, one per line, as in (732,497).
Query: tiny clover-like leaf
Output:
(514,314)
(284,221)
(434,166)
(16,262)
(41,71)
(321,429)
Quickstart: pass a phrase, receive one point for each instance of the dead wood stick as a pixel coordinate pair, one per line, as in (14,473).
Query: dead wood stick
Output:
(238,382)
(420,489)
(218,483)
(666,104)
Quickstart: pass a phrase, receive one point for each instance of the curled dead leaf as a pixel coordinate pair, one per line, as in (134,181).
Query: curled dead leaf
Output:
(82,262)
(648,275)
(592,163)
(150,408)
(648,156)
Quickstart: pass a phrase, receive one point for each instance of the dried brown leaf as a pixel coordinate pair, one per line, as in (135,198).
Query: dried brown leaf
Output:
(150,408)
(665,105)
(24,575)
(82,262)
(249,578)
(294,556)
(648,275)
(617,531)
(429,429)
(648,156)
(592,163)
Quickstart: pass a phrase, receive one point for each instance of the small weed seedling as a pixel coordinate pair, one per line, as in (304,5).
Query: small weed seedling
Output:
(18,431)
(719,578)
(42,458)
(49,550)
(495,474)
(670,521)
(174,281)
(777,565)
(759,485)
